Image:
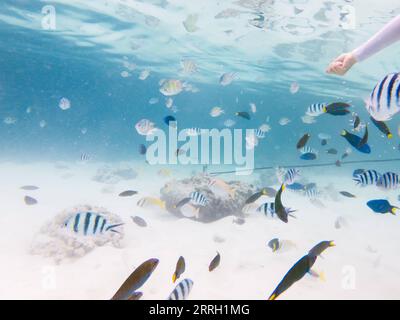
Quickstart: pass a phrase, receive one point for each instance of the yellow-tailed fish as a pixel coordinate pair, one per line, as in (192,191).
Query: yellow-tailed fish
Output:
(136,280)
(179,270)
(149,201)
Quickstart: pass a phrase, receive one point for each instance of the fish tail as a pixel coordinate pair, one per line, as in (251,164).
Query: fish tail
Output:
(110,228)
(174,277)
(393,210)
(273,297)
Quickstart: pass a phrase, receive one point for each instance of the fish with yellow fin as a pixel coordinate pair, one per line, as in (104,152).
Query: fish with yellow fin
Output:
(136,280)
(301,268)
(321,247)
(148,202)
(179,270)
(296,273)
(280,210)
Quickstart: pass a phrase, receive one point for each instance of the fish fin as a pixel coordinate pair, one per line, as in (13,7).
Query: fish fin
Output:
(322,276)
(318,275)
(174,277)
(273,297)
(109,228)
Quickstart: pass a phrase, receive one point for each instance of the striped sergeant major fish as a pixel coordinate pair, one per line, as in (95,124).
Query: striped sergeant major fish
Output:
(269,208)
(384,101)
(182,290)
(316,109)
(260,134)
(389,180)
(198,198)
(85,157)
(90,224)
(311,191)
(307,149)
(290,176)
(367,178)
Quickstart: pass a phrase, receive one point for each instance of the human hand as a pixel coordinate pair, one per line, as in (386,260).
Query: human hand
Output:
(342,64)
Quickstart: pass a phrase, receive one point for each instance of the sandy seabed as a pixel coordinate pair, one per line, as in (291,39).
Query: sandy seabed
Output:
(363,265)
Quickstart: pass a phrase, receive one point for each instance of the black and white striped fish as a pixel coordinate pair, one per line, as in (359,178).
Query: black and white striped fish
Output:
(367,178)
(85,157)
(290,176)
(389,180)
(198,198)
(384,101)
(307,149)
(316,109)
(182,290)
(269,208)
(90,224)
(311,191)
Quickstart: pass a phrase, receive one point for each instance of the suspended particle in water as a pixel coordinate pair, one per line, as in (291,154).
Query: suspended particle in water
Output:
(144,75)
(9,120)
(169,103)
(42,123)
(64,104)
(129,66)
(294,88)
(125,74)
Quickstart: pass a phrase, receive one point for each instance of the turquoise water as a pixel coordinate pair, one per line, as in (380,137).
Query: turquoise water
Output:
(82,60)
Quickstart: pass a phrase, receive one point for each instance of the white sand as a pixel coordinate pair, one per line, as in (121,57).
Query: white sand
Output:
(249,270)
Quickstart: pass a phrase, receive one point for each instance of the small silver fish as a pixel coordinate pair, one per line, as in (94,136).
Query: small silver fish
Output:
(29,188)
(139,221)
(29,201)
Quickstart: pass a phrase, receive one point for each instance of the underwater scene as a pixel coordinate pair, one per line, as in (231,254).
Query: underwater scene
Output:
(200,150)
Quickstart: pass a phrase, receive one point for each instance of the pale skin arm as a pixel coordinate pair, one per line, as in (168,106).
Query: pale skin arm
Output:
(342,64)
(388,35)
